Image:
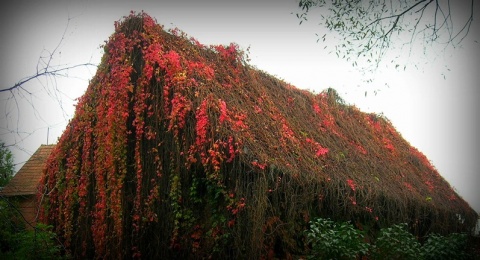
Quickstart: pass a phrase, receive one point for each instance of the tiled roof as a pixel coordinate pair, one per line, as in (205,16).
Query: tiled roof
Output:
(26,181)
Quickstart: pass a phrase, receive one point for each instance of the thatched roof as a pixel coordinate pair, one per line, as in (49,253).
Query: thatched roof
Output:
(183,150)
(26,180)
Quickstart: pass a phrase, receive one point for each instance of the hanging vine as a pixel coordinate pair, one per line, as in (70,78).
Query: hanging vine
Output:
(183,150)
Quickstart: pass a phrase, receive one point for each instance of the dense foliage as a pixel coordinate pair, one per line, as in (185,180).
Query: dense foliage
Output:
(39,244)
(6,165)
(183,150)
(341,240)
(453,246)
(18,242)
(396,242)
(335,240)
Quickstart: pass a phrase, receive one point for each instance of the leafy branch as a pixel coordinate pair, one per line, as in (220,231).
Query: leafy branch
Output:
(366,27)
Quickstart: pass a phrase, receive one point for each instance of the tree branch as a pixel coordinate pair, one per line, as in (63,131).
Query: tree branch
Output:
(45,72)
(368,28)
(397,16)
(467,24)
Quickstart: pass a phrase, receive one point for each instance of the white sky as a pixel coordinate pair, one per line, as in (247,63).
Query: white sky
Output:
(435,114)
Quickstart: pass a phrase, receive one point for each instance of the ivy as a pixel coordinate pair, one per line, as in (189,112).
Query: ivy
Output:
(185,147)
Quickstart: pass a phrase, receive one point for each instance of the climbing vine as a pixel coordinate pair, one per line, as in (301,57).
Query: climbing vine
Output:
(178,149)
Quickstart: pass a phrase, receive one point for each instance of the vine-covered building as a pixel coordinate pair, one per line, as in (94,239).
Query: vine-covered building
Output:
(178,149)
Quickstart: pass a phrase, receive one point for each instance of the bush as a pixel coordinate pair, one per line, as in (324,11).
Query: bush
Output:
(10,225)
(396,242)
(340,240)
(39,243)
(439,247)
(333,240)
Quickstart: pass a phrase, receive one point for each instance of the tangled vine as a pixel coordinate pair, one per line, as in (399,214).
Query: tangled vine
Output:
(178,149)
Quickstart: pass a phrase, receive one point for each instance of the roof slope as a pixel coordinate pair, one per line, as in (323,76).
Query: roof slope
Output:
(183,150)
(26,181)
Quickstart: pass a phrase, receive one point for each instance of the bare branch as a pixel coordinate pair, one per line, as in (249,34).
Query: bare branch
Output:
(22,98)
(44,67)
(466,26)
(42,73)
(17,211)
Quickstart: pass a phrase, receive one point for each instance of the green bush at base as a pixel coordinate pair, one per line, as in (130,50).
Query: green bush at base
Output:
(341,240)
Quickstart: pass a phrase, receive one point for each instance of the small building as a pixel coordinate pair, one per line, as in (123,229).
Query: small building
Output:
(23,187)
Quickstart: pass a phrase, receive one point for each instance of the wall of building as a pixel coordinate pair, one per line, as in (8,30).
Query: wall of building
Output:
(28,208)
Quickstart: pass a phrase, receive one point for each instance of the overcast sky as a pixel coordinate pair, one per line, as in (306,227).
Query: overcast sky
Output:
(434,107)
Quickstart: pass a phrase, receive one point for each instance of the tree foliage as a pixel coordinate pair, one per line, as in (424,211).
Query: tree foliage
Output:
(6,165)
(368,29)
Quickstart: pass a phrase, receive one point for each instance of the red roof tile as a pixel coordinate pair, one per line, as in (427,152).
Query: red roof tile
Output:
(26,181)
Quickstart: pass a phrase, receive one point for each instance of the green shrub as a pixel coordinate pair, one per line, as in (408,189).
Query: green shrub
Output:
(39,243)
(453,246)
(396,242)
(333,240)
(10,225)
(340,240)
